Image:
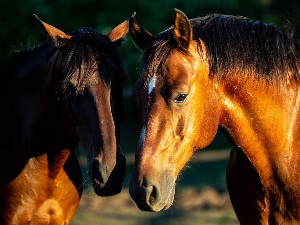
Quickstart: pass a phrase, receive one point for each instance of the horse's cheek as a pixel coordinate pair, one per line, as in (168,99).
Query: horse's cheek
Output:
(207,121)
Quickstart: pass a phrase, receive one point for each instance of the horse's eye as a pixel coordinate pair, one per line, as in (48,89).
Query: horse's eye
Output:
(181,98)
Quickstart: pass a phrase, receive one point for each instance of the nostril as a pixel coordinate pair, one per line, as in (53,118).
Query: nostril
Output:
(98,172)
(152,195)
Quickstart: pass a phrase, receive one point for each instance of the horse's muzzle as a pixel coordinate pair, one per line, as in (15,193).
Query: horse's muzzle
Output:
(107,183)
(151,195)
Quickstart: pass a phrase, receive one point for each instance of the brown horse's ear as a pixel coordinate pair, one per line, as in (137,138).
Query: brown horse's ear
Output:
(118,33)
(140,36)
(182,29)
(57,37)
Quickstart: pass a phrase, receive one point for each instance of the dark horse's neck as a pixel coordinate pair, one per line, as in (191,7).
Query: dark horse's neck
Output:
(31,115)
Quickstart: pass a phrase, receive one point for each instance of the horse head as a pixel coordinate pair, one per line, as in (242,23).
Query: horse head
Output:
(91,92)
(178,107)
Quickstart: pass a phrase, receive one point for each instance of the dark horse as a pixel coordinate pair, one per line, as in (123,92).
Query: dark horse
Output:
(52,96)
(226,71)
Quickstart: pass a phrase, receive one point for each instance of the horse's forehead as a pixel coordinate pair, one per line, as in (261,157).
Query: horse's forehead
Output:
(174,70)
(184,67)
(179,67)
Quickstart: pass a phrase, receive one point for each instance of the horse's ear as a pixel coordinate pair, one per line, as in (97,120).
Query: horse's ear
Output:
(140,36)
(182,29)
(118,33)
(57,37)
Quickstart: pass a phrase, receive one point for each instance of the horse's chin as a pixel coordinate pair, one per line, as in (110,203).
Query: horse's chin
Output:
(113,186)
(170,199)
(104,190)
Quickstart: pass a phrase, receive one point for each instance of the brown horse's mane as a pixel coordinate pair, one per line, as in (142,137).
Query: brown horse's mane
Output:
(236,46)
(86,46)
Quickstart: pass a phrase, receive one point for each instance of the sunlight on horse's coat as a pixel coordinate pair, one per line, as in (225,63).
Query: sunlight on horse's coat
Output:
(50,209)
(241,76)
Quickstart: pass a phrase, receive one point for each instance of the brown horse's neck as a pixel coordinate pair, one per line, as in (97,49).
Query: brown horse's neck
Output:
(261,119)
(264,121)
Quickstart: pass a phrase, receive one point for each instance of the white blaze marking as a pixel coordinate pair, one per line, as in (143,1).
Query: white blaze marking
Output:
(152,84)
(143,131)
(142,137)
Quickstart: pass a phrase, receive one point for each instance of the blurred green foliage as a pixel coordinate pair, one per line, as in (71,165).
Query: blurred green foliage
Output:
(18,28)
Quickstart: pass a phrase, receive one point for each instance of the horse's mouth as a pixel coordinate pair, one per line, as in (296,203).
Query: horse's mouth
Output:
(112,183)
(106,190)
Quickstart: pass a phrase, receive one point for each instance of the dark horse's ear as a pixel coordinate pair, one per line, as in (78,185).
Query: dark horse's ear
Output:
(118,33)
(140,36)
(182,29)
(57,37)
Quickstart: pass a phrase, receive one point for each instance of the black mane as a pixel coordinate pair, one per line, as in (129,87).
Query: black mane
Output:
(21,59)
(235,45)
(87,46)
(95,51)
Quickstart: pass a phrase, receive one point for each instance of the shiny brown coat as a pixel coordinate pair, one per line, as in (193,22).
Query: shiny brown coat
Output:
(183,102)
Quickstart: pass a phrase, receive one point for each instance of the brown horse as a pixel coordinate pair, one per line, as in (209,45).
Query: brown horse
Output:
(52,96)
(229,72)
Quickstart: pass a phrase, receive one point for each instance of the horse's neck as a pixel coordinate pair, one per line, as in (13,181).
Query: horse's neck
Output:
(44,111)
(31,116)
(264,121)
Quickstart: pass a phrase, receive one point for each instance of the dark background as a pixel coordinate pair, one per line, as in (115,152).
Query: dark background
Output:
(19,30)
(18,27)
